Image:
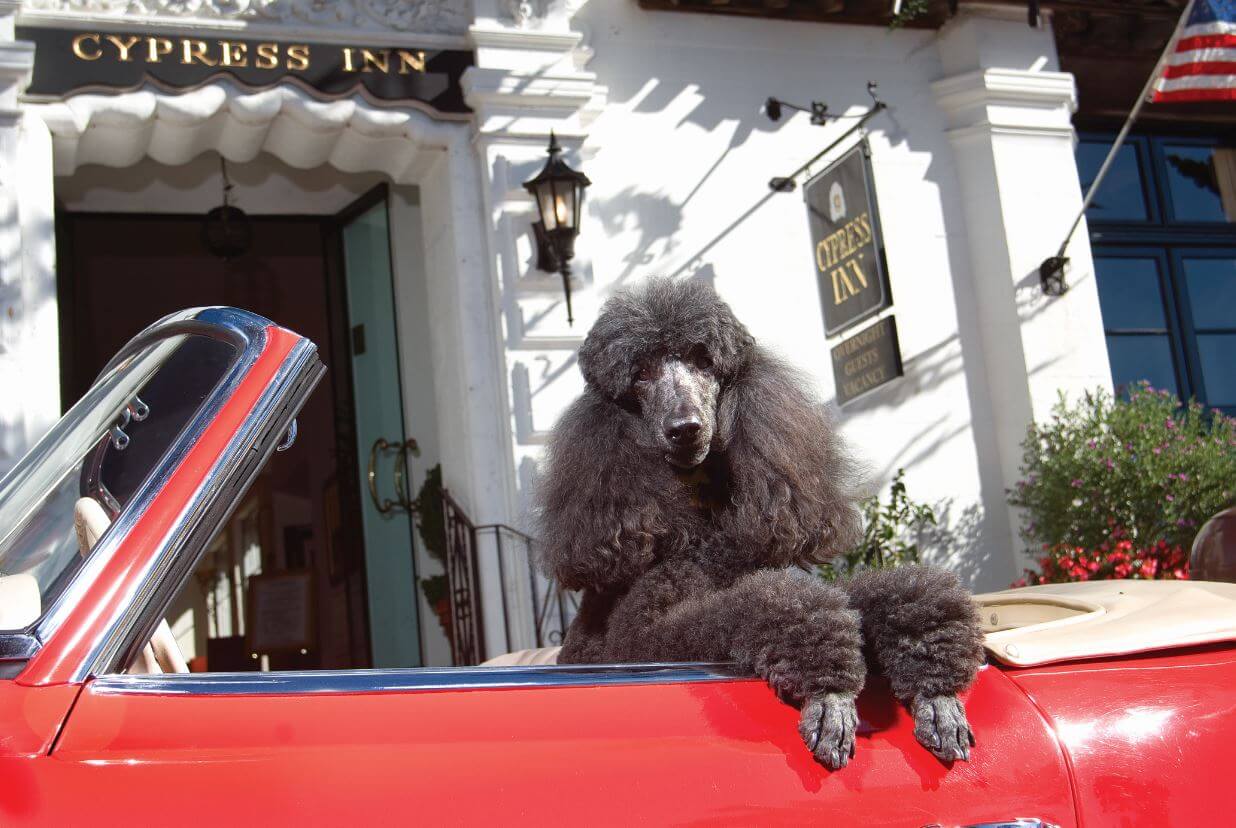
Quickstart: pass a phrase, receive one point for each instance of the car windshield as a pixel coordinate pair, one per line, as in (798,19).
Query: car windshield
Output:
(60,499)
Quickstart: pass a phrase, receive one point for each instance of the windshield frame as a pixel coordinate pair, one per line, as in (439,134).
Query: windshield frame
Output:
(249,334)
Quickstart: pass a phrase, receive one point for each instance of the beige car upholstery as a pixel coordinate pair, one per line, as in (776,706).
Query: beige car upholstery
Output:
(20,602)
(525,658)
(162,654)
(1091,619)
(1066,622)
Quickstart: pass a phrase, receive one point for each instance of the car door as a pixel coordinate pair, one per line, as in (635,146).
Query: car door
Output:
(546,745)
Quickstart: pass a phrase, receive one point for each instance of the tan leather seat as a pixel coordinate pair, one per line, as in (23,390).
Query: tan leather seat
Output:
(525,658)
(162,653)
(20,601)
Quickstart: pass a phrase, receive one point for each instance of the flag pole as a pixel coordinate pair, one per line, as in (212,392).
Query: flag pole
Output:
(1052,269)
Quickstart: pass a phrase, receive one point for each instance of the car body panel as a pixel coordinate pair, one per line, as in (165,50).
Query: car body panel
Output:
(712,752)
(30,718)
(1150,739)
(1117,741)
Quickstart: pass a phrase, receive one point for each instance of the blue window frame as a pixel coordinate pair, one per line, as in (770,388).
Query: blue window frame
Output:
(1163,231)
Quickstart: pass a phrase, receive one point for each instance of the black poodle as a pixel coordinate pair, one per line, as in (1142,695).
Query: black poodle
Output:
(686,491)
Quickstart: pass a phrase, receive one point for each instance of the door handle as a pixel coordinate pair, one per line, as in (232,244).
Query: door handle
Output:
(402,502)
(401,472)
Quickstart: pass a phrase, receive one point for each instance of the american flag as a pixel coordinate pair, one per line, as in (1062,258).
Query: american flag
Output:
(1202,66)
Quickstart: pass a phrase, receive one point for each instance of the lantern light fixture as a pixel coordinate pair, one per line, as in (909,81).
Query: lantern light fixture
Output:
(559,192)
(226,231)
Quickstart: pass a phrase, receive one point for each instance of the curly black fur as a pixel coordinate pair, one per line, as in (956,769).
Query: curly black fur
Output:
(680,565)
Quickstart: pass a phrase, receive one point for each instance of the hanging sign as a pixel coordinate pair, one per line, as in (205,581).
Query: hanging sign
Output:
(69,61)
(866,360)
(846,243)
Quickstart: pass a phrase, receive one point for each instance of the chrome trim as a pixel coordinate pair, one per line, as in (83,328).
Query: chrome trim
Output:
(224,484)
(423,679)
(245,330)
(289,438)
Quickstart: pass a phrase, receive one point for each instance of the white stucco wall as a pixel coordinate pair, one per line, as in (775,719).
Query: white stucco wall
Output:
(680,155)
(973,172)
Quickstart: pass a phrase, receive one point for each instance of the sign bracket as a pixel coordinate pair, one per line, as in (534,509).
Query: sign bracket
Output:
(786,183)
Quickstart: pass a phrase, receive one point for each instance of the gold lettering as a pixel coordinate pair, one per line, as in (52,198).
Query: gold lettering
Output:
(79,47)
(866,225)
(156,48)
(123,46)
(195,50)
(843,288)
(409,62)
(348,64)
(821,251)
(380,60)
(234,54)
(298,57)
(267,56)
(858,271)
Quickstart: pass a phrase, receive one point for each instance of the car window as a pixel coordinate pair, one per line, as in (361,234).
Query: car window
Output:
(82,475)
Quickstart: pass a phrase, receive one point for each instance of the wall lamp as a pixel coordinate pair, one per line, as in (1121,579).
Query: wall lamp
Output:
(1051,276)
(559,192)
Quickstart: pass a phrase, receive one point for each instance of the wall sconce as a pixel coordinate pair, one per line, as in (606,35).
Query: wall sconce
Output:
(559,192)
(1051,276)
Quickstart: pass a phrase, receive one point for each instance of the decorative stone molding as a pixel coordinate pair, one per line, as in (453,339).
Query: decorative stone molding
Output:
(1011,101)
(448,17)
(172,128)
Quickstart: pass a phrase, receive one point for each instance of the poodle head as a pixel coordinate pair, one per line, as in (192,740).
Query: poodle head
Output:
(664,351)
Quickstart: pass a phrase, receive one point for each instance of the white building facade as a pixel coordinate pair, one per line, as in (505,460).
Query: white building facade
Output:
(974,172)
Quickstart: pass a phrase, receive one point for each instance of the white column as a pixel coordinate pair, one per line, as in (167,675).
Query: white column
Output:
(1009,111)
(528,79)
(29,336)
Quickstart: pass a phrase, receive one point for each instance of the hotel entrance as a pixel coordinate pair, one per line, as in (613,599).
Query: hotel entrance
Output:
(319,567)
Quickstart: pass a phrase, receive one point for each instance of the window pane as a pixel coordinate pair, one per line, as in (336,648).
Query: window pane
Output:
(1216,352)
(1121,196)
(1211,285)
(1142,357)
(1202,181)
(1129,293)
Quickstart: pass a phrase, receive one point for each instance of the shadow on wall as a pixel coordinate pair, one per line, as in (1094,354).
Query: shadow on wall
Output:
(956,543)
(720,92)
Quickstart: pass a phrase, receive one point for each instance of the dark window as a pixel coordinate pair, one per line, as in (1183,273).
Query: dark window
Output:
(1123,196)
(1165,262)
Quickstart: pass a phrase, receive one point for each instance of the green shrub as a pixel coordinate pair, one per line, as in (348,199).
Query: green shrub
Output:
(890,533)
(1119,487)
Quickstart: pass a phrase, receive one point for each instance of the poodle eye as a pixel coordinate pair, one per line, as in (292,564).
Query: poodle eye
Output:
(700,359)
(645,374)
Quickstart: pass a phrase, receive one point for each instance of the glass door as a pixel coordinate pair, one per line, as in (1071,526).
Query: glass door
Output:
(363,239)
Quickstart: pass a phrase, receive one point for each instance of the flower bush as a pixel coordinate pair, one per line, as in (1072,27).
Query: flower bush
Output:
(1117,488)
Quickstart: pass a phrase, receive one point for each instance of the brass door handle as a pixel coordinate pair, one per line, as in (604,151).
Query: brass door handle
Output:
(402,502)
(401,472)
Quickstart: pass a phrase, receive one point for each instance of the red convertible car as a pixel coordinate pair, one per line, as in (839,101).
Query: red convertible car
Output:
(1102,704)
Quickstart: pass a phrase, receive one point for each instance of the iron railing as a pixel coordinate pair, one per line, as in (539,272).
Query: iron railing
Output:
(552,608)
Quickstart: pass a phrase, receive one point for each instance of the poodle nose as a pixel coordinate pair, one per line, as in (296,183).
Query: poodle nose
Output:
(682,432)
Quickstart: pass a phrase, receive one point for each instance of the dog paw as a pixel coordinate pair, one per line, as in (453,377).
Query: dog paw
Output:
(940,726)
(827,725)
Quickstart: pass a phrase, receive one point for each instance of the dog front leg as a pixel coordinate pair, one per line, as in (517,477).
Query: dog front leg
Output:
(792,630)
(922,628)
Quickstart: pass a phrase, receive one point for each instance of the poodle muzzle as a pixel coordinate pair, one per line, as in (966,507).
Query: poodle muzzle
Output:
(680,405)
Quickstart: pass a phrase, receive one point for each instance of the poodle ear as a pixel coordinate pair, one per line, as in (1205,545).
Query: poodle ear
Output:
(600,503)
(790,480)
